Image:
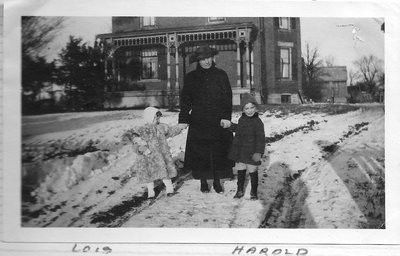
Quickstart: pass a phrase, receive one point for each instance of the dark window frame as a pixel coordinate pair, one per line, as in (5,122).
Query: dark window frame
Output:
(216,19)
(288,64)
(149,72)
(286,98)
(288,25)
(151,24)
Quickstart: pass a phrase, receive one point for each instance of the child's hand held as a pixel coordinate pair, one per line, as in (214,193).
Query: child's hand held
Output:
(256,157)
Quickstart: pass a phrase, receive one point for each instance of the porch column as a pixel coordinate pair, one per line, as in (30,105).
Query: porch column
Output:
(168,69)
(170,42)
(106,57)
(238,63)
(183,65)
(114,73)
(252,68)
(105,73)
(105,66)
(247,64)
(176,65)
(112,55)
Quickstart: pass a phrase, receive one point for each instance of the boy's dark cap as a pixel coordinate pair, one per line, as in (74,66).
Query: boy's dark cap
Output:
(247,98)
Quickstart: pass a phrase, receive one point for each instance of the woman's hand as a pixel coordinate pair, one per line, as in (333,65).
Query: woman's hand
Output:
(225,123)
(183,126)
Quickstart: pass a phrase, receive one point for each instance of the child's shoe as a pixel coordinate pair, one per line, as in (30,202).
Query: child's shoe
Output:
(239,194)
(150,190)
(253,196)
(169,187)
(240,184)
(254,185)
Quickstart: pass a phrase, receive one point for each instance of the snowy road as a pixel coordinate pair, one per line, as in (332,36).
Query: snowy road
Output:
(301,185)
(321,171)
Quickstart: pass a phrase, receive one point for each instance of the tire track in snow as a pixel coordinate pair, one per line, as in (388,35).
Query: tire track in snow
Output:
(285,211)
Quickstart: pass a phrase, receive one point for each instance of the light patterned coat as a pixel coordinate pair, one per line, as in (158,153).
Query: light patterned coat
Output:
(154,160)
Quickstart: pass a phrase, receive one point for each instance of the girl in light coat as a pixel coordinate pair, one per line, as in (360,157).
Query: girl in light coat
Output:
(154,159)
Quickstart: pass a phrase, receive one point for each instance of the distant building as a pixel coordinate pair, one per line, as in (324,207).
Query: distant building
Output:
(52,92)
(148,57)
(333,84)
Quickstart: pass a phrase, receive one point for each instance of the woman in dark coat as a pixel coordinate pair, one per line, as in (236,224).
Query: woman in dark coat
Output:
(206,104)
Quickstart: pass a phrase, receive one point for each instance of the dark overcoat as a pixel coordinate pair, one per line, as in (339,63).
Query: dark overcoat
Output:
(206,98)
(249,139)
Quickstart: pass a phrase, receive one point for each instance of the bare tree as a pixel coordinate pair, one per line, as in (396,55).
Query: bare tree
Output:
(369,68)
(381,78)
(37,32)
(329,61)
(354,76)
(312,63)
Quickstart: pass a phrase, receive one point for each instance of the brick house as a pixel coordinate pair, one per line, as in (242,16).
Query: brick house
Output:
(333,84)
(148,57)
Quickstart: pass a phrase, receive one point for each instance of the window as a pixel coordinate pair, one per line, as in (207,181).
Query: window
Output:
(285,98)
(149,64)
(285,63)
(284,23)
(216,19)
(148,21)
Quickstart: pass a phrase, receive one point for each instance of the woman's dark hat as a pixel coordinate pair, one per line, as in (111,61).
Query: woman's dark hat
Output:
(203,52)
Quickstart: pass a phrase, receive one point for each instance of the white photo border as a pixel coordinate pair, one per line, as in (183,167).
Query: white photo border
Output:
(12,230)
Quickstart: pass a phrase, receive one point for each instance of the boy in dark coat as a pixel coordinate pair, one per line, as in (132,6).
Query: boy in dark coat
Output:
(248,145)
(205,102)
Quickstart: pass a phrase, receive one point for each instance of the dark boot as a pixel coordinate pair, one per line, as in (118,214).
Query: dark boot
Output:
(217,186)
(204,186)
(254,185)
(240,183)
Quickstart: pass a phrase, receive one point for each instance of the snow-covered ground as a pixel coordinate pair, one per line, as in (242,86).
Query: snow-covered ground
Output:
(320,170)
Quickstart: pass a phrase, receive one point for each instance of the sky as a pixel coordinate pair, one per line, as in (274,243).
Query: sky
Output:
(84,27)
(330,35)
